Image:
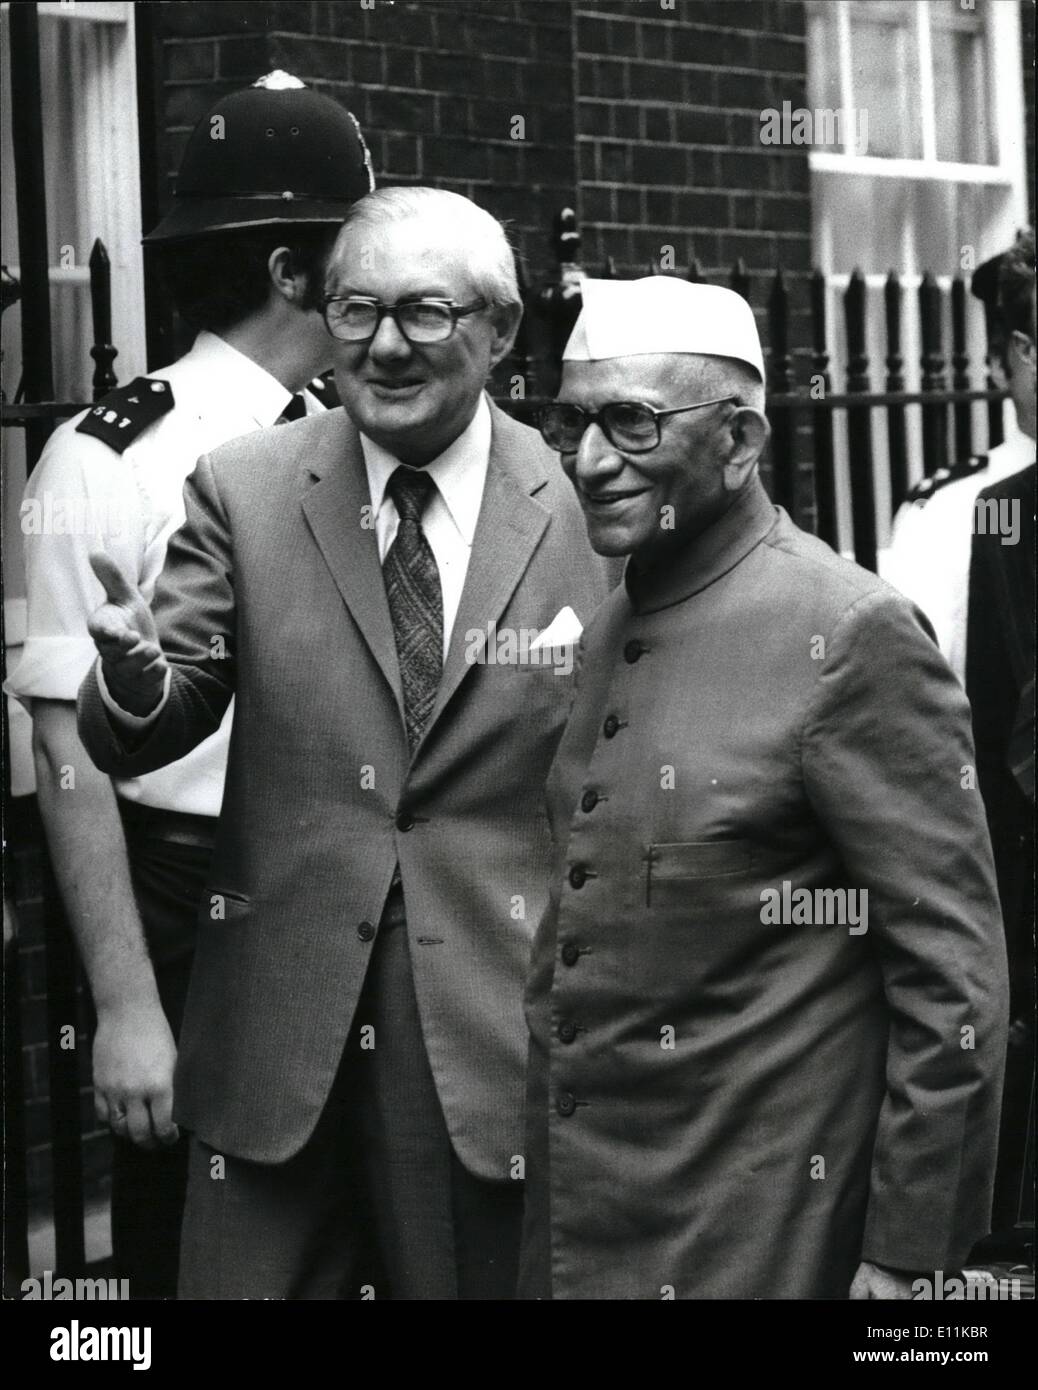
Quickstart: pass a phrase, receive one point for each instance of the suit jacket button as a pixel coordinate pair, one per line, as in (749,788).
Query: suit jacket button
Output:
(366,931)
(405,821)
(570,953)
(567,1032)
(632,651)
(589,801)
(565,1104)
(610,726)
(577,876)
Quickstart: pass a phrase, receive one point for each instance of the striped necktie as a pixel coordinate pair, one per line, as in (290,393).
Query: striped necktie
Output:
(415,600)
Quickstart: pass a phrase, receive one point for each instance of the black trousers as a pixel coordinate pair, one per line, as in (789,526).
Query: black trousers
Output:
(376,1205)
(148,1187)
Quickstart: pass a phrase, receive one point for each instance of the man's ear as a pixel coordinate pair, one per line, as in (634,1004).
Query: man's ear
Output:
(285,278)
(750,432)
(997,370)
(506,319)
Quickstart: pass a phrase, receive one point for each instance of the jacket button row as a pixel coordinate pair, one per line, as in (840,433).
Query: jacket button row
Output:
(570,953)
(633,650)
(567,1032)
(589,801)
(366,931)
(405,821)
(565,1104)
(577,876)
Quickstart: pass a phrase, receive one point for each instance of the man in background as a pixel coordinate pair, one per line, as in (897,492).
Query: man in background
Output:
(1000,639)
(266,180)
(929,554)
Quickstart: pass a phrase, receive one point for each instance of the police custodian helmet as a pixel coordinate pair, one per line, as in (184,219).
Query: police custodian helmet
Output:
(276,152)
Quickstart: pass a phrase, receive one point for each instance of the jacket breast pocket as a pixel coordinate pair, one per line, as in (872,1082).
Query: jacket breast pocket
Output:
(222,905)
(673,870)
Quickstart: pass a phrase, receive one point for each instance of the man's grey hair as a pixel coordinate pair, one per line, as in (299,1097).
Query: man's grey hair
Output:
(491,261)
(723,376)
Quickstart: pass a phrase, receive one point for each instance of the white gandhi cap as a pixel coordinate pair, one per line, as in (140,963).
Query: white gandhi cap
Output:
(631,318)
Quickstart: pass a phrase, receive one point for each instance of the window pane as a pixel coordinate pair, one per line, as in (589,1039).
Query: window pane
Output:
(823,58)
(960,95)
(885,63)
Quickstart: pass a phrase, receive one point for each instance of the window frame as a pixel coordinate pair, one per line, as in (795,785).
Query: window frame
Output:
(1005,112)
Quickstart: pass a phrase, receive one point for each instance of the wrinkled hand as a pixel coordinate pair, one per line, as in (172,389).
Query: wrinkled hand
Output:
(873,1281)
(126,638)
(134,1056)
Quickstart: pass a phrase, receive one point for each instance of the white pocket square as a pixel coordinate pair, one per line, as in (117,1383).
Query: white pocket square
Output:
(563,629)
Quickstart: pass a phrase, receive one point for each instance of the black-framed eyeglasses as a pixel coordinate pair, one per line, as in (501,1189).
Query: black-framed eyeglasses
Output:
(631,426)
(355,318)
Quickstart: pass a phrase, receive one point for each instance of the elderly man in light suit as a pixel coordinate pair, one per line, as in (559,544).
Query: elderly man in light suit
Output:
(352,1057)
(768,998)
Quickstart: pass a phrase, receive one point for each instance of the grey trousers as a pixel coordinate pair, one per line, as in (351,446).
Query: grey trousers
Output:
(376,1205)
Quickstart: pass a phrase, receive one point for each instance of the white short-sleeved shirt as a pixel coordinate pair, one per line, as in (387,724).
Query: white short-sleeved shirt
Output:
(83,496)
(929,555)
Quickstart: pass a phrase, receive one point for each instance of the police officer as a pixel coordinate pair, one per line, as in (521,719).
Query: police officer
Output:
(929,554)
(266,180)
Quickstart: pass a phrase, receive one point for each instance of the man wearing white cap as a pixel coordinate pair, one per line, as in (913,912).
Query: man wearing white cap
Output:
(767,1001)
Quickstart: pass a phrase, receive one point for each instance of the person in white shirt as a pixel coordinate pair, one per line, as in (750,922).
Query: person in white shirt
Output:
(130,854)
(929,555)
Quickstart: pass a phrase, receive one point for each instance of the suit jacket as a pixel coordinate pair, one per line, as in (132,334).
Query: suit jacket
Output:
(273,592)
(1000,686)
(727,1100)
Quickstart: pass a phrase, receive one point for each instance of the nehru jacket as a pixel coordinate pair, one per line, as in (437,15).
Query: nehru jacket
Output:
(723,1103)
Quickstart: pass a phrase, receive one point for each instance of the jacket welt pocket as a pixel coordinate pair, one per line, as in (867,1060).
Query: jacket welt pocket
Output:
(222,905)
(671,869)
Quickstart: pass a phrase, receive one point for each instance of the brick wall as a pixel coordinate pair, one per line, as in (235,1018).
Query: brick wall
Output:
(435,87)
(668,122)
(648,117)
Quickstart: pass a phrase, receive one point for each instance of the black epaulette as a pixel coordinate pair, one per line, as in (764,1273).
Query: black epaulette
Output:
(925,489)
(118,418)
(323,387)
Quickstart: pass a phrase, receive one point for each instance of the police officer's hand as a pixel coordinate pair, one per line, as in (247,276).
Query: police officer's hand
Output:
(134,1057)
(126,638)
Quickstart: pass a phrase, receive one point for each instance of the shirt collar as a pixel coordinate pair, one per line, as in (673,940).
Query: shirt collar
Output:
(705,559)
(459,472)
(244,381)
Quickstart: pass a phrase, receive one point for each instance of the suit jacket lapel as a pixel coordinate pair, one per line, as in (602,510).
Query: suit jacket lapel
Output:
(334,508)
(511,523)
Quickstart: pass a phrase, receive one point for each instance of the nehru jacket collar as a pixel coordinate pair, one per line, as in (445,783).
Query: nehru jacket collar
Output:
(719,549)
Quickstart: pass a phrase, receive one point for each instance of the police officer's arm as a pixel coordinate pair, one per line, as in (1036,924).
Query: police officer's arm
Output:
(79,496)
(134,1053)
(173,674)
(888,766)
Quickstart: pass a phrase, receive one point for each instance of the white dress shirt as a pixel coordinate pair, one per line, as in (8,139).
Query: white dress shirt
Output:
(449,521)
(929,554)
(130,504)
